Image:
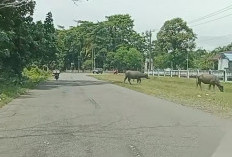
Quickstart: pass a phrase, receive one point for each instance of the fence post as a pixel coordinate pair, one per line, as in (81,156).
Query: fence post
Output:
(179,73)
(153,72)
(187,73)
(164,73)
(171,73)
(158,73)
(198,72)
(225,76)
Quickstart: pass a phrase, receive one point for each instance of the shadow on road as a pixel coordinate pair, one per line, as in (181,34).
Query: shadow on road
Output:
(55,84)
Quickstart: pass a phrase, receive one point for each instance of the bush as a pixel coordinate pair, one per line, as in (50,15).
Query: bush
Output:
(35,74)
(12,85)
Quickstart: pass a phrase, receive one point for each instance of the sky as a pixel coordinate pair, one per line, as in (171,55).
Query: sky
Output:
(148,15)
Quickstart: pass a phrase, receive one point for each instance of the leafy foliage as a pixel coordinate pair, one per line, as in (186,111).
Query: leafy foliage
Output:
(87,65)
(124,59)
(222,49)
(97,40)
(35,74)
(13,86)
(176,38)
(24,42)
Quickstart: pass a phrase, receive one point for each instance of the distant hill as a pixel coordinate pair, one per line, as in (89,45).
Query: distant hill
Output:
(211,42)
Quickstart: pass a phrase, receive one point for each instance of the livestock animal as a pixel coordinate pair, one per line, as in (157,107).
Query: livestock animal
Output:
(209,79)
(134,75)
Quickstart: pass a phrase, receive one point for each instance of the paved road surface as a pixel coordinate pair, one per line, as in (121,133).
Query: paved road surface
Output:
(78,116)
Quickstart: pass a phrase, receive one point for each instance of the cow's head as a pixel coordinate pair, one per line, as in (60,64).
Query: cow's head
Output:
(221,88)
(146,76)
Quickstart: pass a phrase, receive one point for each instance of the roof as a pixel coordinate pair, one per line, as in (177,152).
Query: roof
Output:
(228,55)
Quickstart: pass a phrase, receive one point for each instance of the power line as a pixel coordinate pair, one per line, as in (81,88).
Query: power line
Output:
(211,20)
(214,38)
(212,14)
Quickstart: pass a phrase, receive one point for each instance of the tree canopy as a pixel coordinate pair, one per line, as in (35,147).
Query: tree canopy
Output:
(22,41)
(98,40)
(176,38)
(111,44)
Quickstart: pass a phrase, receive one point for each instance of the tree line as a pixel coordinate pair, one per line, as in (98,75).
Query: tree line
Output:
(109,44)
(23,42)
(114,44)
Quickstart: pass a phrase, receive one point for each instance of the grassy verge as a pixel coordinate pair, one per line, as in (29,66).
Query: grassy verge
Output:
(182,91)
(12,87)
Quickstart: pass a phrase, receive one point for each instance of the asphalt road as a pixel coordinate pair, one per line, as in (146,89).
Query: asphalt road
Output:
(78,116)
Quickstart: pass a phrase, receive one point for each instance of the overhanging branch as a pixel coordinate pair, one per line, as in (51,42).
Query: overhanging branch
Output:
(17,3)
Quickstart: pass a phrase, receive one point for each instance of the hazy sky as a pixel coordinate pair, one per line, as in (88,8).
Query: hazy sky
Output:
(147,14)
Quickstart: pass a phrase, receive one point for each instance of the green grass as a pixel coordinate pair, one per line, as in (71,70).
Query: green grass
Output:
(182,91)
(11,88)
(9,91)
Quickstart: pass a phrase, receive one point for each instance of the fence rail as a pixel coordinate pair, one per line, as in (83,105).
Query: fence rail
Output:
(222,74)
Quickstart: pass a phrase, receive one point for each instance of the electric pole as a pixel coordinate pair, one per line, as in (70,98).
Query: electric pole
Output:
(93,58)
(150,49)
(187,60)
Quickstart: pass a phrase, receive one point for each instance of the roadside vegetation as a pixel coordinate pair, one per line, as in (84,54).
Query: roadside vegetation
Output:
(26,47)
(182,91)
(13,86)
(111,44)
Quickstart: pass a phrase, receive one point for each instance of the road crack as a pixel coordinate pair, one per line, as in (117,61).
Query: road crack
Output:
(96,105)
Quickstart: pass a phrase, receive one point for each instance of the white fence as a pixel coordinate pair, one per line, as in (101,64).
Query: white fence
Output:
(223,75)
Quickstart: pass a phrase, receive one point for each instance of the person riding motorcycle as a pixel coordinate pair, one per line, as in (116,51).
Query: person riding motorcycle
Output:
(56,74)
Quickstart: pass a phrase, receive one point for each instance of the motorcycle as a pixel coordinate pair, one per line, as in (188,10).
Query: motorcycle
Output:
(56,74)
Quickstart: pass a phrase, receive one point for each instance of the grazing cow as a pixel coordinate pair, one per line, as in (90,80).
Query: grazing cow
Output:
(209,79)
(134,75)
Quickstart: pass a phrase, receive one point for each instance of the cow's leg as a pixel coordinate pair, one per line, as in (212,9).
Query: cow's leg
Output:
(197,82)
(209,86)
(129,80)
(125,79)
(214,87)
(200,85)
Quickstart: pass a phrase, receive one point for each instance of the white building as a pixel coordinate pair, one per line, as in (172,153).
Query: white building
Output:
(225,61)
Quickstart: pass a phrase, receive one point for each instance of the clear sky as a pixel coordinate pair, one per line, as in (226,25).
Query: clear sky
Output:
(147,14)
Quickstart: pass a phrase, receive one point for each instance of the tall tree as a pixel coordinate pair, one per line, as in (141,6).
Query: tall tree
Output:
(50,37)
(15,23)
(125,58)
(176,38)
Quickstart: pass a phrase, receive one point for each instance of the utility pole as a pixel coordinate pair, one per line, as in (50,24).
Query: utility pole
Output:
(187,60)
(79,60)
(93,58)
(94,64)
(150,50)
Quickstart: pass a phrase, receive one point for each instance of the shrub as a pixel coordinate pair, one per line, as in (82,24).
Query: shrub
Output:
(35,74)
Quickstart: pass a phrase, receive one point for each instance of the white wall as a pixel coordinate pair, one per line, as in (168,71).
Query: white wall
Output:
(222,64)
